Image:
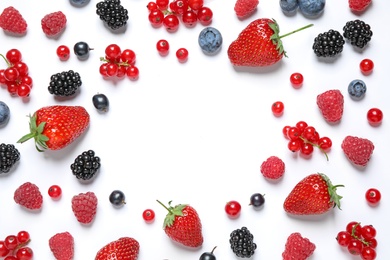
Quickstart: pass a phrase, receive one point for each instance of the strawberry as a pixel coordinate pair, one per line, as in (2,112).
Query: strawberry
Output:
(298,247)
(272,168)
(62,246)
(259,44)
(55,127)
(245,8)
(313,195)
(123,248)
(359,5)
(84,206)
(12,21)
(182,224)
(29,196)
(358,150)
(331,105)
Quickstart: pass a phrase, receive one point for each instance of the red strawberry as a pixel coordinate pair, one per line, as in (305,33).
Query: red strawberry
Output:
(55,127)
(313,195)
(182,224)
(84,207)
(272,168)
(298,247)
(12,21)
(53,23)
(123,248)
(245,8)
(29,196)
(358,150)
(62,246)
(331,105)
(259,44)
(359,5)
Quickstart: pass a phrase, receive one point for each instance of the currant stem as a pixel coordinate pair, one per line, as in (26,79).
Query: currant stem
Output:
(6,60)
(356,237)
(316,145)
(300,29)
(117,63)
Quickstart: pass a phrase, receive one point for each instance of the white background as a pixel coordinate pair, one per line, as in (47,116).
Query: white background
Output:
(196,132)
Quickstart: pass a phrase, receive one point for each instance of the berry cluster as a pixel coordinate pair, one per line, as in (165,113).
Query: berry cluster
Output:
(15,77)
(65,83)
(9,156)
(118,63)
(14,247)
(86,165)
(359,240)
(168,14)
(303,138)
(112,13)
(241,242)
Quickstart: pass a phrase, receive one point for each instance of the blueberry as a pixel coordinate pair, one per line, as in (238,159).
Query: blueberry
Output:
(357,89)
(210,40)
(79,3)
(4,113)
(311,8)
(289,6)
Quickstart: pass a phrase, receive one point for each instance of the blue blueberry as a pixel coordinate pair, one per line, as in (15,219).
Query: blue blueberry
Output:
(311,8)
(210,40)
(289,6)
(4,113)
(79,3)
(357,89)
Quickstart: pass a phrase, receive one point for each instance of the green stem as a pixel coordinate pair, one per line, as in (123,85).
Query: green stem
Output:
(6,60)
(300,29)
(358,238)
(170,211)
(316,145)
(117,63)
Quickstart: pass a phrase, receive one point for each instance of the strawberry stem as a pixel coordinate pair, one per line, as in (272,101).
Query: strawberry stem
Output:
(298,30)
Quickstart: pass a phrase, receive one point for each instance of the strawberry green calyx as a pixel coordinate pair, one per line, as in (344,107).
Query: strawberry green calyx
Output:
(36,133)
(172,213)
(334,197)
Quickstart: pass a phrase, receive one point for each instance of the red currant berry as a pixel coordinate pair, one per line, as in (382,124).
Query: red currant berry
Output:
(296,80)
(374,116)
(156,18)
(307,149)
(205,15)
(171,23)
(148,215)
(2,78)
(13,56)
(301,125)
(233,208)
(368,232)
(63,52)
(113,52)
(180,6)
(162,4)
(295,145)
(373,196)
(132,72)
(24,253)
(354,228)
(189,18)
(103,69)
(23,90)
(368,253)
(11,74)
(55,191)
(23,237)
(182,55)
(366,66)
(343,238)
(112,69)
(325,143)
(128,56)
(11,242)
(162,47)
(151,6)
(285,131)
(26,80)
(10,257)
(3,249)
(195,4)
(309,133)
(277,108)
(293,133)
(12,88)
(355,246)
(372,242)
(121,73)
(22,68)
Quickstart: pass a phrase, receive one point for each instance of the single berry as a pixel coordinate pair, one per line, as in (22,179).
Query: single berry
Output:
(368,232)
(54,23)
(81,50)
(84,207)
(12,21)
(171,23)
(355,246)
(357,89)
(24,253)
(210,40)
(296,79)
(11,242)
(14,56)
(257,200)
(28,196)
(62,246)
(311,8)
(331,105)
(208,255)
(205,15)
(117,198)
(358,150)
(298,247)
(373,196)
(79,3)
(359,5)
(100,102)
(366,66)
(368,253)
(148,215)
(4,251)
(63,52)
(128,56)
(55,191)
(162,47)
(277,108)
(343,238)
(195,4)
(325,143)
(374,116)
(132,72)
(328,44)
(241,243)
(9,156)
(5,114)
(112,13)
(358,33)
(64,84)
(189,18)
(272,168)
(86,165)
(233,209)
(289,6)
(23,237)
(245,8)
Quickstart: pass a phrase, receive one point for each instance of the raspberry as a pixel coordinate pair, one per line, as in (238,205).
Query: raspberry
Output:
(298,247)
(53,23)
(28,196)
(331,105)
(62,246)
(12,21)
(245,8)
(358,150)
(272,168)
(359,5)
(84,207)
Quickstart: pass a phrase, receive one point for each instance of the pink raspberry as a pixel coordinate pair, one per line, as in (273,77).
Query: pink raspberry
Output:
(28,196)
(298,247)
(84,207)
(272,168)
(53,23)
(62,246)
(358,150)
(12,21)
(245,8)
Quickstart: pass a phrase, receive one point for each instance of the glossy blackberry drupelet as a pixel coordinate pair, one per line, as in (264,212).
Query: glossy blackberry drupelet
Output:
(357,89)
(241,242)
(328,44)
(112,13)
(85,165)
(65,83)
(357,32)
(9,155)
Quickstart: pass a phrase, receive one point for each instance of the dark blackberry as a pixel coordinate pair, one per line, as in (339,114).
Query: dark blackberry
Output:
(9,155)
(112,13)
(85,165)
(328,44)
(357,32)
(241,242)
(65,83)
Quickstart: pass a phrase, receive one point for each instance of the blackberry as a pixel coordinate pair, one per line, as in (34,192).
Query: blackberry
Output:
(328,44)
(112,13)
(241,242)
(85,165)
(9,155)
(357,32)
(65,83)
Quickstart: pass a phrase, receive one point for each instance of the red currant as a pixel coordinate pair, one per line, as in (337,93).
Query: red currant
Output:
(128,56)
(63,52)
(112,69)
(12,88)
(132,72)
(103,69)
(372,242)
(368,232)
(179,6)
(156,18)
(373,196)
(309,133)
(368,253)
(152,6)
(189,18)
(195,4)
(11,242)
(325,143)
(277,108)
(233,208)
(354,228)
(10,257)
(23,90)
(285,131)
(295,145)
(2,78)
(343,238)
(366,66)
(121,73)
(171,23)
(162,4)
(24,253)
(148,215)
(162,47)
(55,191)
(205,15)
(3,249)
(182,55)
(296,80)
(355,246)
(11,74)
(293,133)
(23,237)
(307,149)
(374,116)
(301,125)
(113,52)
(13,56)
